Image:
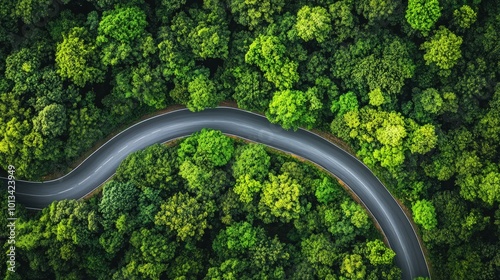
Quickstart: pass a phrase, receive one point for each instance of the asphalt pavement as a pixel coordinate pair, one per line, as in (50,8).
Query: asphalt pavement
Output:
(101,165)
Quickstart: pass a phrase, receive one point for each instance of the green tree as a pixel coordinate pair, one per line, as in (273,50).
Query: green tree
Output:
(347,102)
(202,93)
(464,17)
(423,14)
(353,267)
(294,108)
(443,49)
(280,198)
(76,58)
(117,32)
(255,13)
(268,53)
(185,215)
(423,139)
(52,121)
(424,214)
(313,23)
(378,253)
(251,160)
(117,198)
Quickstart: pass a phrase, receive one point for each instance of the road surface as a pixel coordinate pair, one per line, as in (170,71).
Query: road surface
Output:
(101,165)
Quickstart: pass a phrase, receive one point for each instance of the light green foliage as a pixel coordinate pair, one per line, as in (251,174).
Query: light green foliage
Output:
(294,108)
(185,216)
(464,17)
(327,190)
(280,198)
(246,188)
(347,102)
(208,146)
(239,238)
(313,23)
(251,160)
(154,167)
(155,249)
(353,267)
(423,14)
(378,253)
(319,249)
(210,37)
(202,92)
(431,100)
(269,54)
(253,13)
(76,58)
(122,25)
(424,214)
(442,49)
(424,139)
(376,97)
(483,185)
(118,30)
(202,180)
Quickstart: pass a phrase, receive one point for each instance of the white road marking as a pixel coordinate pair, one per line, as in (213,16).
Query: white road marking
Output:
(123,148)
(140,139)
(84,180)
(108,160)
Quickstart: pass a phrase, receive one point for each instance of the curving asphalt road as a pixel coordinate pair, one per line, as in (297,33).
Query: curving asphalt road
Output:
(101,165)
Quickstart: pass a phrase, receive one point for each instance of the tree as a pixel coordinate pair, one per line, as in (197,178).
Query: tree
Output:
(353,267)
(294,108)
(378,253)
(237,240)
(347,102)
(117,198)
(378,10)
(51,121)
(344,23)
(280,198)
(424,214)
(423,14)
(268,53)
(185,216)
(318,249)
(423,139)
(327,190)
(202,93)
(383,61)
(118,30)
(143,83)
(313,23)
(443,49)
(76,58)
(464,17)
(255,13)
(251,160)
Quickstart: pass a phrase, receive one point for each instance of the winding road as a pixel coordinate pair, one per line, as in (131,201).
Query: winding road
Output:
(101,165)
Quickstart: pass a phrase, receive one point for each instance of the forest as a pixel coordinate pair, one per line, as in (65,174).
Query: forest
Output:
(207,208)
(412,87)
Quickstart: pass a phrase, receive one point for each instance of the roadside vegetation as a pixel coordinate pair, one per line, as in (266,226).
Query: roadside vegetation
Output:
(412,87)
(208,208)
